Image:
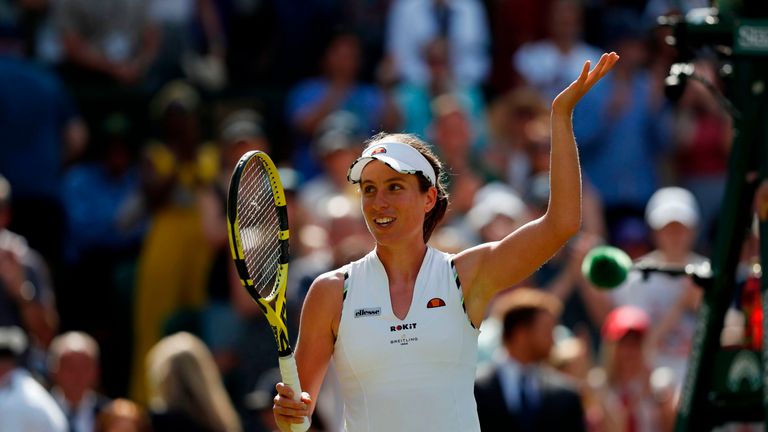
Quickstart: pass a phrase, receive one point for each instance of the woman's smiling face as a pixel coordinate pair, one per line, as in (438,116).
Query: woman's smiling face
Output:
(393,204)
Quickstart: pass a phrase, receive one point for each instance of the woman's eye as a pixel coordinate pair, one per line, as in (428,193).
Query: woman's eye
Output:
(368,189)
(395,187)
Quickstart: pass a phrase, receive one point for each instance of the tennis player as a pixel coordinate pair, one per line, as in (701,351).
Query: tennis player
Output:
(401,323)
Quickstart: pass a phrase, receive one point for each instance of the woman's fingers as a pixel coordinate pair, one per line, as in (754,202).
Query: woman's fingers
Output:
(288,410)
(607,60)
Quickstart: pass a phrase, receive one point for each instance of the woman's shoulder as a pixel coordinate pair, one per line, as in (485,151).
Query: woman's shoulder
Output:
(329,286)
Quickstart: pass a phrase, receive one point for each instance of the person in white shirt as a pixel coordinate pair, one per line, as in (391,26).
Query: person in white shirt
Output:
(671,301)
(24,404)
(548,64)
(401,323)
(413,24)
(73,362)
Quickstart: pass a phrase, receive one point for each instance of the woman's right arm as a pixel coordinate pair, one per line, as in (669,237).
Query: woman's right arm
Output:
(320,317)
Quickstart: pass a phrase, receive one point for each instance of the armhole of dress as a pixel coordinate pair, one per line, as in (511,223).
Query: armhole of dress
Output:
(346,287)
(461,292)
(343,300)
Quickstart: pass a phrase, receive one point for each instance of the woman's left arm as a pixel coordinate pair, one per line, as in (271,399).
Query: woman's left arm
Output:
(491,267)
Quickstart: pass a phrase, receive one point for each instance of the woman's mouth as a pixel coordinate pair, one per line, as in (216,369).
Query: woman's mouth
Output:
(384,221)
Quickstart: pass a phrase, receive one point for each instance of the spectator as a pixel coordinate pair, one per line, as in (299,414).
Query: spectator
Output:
(339,87)
(106,223)
(74,367)
(509,117)
(175,259)
(549,64)
(414,100)
(186,388)
(112,42)
(99,195)
(497,211)
(337,144)
(107,49)
(671,302)
(571,355)
(518,391)
(623,131)
(182,52)
(26,406)
(513,23)
(628,390)
(412,24)
(26,295)
(122,415)
(453,135)
(41,134)
(535,186)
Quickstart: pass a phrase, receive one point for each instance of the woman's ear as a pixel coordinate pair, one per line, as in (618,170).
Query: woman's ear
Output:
(431,199)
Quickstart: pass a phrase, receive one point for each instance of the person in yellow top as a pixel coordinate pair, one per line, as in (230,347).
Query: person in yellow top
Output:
(175,259)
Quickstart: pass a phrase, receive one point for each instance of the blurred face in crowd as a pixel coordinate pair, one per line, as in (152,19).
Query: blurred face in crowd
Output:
(234,150)
(77,372)
(436,55)
(453,133)
(634,52)
(566,21)
(629,356)
(463,191)
(498,228)
(675,240)
(536,336)
(336,164)
(342,60)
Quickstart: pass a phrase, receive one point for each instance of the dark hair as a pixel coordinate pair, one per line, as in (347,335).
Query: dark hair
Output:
(520,307)
(434,216)
(519,317)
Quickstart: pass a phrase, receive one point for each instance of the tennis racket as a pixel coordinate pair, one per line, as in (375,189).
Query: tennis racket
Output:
(257,222)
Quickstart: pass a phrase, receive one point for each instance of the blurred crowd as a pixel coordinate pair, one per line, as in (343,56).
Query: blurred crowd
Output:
(122,121)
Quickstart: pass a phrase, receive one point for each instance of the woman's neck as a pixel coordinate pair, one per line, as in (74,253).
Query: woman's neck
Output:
(402,263)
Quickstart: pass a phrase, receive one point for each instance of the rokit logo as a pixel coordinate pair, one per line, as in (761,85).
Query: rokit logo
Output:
(367,312)
(403,338)
(400,327)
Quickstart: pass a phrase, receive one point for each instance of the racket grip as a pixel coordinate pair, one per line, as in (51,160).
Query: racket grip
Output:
(291,379)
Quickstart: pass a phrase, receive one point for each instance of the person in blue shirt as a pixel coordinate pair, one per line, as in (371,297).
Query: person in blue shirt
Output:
(622,127)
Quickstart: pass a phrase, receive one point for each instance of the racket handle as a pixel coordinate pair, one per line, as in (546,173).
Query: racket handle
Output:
(291,379)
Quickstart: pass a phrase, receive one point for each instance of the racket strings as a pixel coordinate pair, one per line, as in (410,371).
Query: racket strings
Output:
(259,228)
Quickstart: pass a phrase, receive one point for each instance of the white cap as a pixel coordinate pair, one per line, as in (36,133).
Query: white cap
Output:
(402,158)
(672,204)
(495,199)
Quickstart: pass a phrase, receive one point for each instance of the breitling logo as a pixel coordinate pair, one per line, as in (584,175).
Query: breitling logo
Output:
(404,339)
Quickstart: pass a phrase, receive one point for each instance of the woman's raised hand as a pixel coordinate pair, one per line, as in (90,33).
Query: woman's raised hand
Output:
(565,102)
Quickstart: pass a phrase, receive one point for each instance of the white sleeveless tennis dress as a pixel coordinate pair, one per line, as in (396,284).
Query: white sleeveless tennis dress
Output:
(415,374)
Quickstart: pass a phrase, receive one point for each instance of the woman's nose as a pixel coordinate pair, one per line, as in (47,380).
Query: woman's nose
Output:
(380,201)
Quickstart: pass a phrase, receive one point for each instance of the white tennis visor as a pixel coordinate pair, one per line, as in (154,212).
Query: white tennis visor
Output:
(400,157)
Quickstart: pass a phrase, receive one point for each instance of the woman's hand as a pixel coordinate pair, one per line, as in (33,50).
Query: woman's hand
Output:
(568,98)
(288,411)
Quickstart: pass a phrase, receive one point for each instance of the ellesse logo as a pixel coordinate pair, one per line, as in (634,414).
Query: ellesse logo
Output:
(435,303)
(378,150)
(366,312)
